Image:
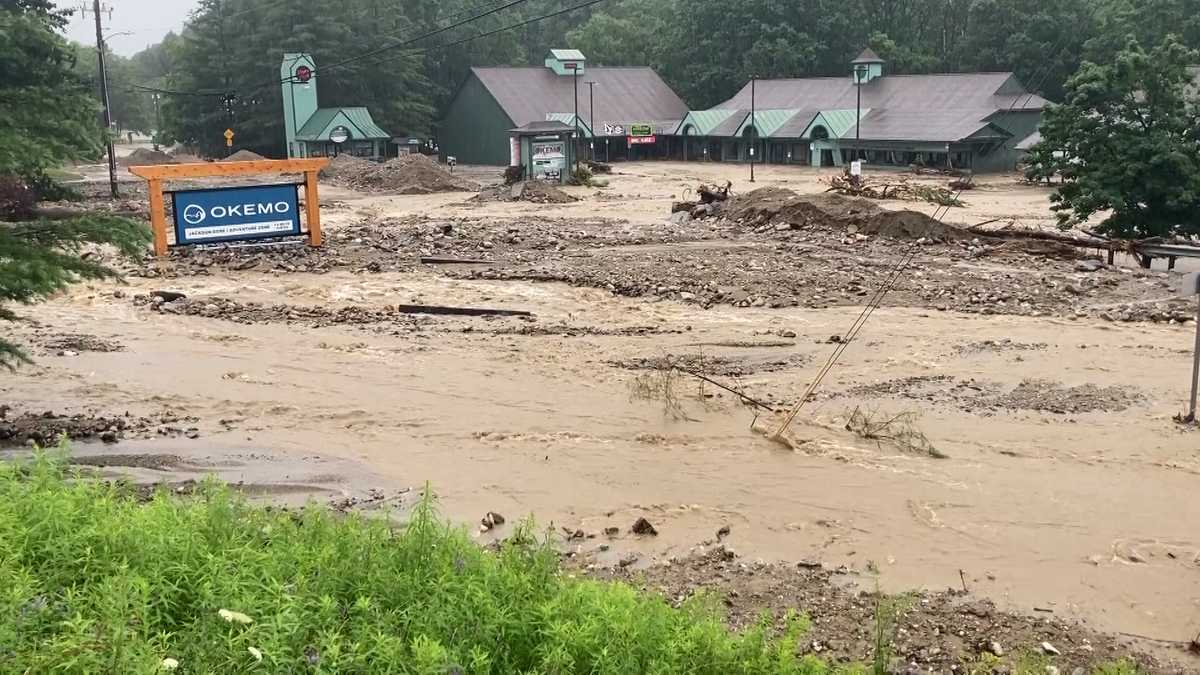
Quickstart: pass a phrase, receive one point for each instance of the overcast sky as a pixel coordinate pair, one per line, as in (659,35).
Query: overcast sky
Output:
(147,20)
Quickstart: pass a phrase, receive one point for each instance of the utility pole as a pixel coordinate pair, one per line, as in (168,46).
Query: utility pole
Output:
(157,118)
(575,139)
(112,160)
(592,117)
(858,75)
(754,126)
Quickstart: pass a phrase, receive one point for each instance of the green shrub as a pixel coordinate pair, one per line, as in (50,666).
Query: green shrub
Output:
(93,581)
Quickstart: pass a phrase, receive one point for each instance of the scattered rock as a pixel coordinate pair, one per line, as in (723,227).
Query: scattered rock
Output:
(490,521)
(1089,265)
(723,532)
(167,296)
(643,527)
(1050,649)
(612,531)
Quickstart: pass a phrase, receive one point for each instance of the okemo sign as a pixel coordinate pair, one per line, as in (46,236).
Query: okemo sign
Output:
(235,214)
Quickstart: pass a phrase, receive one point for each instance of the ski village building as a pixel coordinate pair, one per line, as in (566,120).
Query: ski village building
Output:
(978,121)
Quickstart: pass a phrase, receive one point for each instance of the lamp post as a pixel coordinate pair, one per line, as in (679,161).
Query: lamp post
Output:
(859,71)
(592,117)
(575,139)
(753,126)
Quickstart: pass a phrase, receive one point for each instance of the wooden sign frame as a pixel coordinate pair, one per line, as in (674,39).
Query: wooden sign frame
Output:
(156,174)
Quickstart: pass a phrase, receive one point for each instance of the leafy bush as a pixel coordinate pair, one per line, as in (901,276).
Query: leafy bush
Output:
(580,175)
(93,581)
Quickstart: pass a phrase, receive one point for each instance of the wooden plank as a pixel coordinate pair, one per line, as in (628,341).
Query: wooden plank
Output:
(202,169)
(158,217)
(438,260)
(459,311)
(312,207)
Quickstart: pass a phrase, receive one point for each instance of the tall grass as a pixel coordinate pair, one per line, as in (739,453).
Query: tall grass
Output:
(93,581)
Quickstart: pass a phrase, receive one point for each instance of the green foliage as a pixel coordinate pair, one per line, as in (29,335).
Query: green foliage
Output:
(94,581)
(1128,138)
(50,116)
(131,110)
(41,257)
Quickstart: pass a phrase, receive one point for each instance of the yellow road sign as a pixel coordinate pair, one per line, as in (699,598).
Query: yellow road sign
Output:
(229,135)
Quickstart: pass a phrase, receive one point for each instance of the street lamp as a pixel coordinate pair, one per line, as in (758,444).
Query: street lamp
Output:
(860,71)
(592,117)
(575,138)
(754,126)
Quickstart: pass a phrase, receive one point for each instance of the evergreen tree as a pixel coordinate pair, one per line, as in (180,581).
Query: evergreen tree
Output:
(50,117)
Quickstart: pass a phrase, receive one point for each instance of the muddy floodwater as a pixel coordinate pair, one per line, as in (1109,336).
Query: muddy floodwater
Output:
(1065,485)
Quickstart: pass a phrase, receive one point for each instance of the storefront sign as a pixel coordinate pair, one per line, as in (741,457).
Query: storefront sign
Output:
(641,130)
(641,140)
(235,214)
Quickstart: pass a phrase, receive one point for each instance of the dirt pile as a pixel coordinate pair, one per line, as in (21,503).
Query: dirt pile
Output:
(406,175)
(536,191)
(244,156)
(147,157)
(781,208)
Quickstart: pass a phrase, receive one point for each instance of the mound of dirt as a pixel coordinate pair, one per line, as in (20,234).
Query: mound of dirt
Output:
(405,175)
(243,156)
(147,157)
(539,192)
(774,205)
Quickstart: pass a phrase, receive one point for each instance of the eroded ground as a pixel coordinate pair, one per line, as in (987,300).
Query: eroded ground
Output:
(1067,491)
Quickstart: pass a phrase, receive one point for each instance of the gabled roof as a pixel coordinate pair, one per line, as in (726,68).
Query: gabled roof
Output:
(356,119)
(766,122)
(704,121)
(946,107)
(569,120)
(837,122)
(622,95)
(867,56)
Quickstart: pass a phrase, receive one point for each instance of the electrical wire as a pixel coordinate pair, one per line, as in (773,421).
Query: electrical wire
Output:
(876,300)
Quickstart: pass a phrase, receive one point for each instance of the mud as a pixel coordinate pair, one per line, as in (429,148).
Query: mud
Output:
(1049,497)
(934,631)
(44,429)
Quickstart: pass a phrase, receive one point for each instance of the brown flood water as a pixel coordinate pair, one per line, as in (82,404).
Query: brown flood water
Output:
(1090,514)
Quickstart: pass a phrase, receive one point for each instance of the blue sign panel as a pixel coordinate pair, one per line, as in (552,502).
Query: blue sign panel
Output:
(235,214)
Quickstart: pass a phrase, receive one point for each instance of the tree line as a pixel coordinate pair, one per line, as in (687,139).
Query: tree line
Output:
(705,49)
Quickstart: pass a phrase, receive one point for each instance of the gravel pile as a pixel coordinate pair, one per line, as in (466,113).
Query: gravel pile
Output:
(406,175)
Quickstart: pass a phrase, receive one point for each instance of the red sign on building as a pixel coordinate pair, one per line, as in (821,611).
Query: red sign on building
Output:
(641,140)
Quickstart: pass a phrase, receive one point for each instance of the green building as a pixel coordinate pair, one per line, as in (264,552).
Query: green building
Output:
(975,121)
(324,132)
(491,102)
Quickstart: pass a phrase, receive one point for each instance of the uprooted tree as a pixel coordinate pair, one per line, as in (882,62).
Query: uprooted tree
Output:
(49,118)
(1127,141)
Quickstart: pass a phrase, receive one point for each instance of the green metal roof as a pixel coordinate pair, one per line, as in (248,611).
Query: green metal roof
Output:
(357,119)
(704,121)
(766,122)
(569,120)
(836,122)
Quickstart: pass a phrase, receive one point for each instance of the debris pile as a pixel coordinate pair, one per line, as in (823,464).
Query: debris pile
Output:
(784,209)
(44,429)
(147,157)
(411,174)
(244,156)
(709,202)
(536,191)
(901,188)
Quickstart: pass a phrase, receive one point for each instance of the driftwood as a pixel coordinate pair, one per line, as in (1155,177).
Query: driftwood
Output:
(1042,235)
(459,311)
(439,260)
(709,195)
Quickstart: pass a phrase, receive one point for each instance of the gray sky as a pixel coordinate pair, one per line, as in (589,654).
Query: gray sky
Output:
(147,20)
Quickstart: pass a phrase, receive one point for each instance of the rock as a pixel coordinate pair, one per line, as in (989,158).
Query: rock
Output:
(680,218)
(168,296)
(627,560)
(612,531)
(687,297)
(192,433)
(1089,265)
(995,648)
(787,334)
(109,437)
(1050,649)
(643,526)
(723,532)
(490,520)
(810,564)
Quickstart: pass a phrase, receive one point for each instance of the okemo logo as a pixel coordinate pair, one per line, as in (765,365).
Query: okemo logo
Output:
(194,214)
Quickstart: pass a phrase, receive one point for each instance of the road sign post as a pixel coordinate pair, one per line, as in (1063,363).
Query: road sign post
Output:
(1190,286)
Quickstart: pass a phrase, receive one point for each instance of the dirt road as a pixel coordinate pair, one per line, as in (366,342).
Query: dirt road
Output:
(1066,485)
